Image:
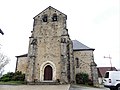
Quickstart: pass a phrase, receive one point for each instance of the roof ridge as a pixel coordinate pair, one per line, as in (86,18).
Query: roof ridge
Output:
(48,8)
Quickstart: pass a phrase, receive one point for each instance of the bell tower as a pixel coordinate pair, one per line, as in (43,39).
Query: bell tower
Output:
(50,53)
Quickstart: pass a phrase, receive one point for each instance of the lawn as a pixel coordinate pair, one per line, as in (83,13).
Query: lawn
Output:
(12,83)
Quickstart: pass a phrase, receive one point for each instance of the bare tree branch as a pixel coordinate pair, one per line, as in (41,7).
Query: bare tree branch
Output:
(4,60)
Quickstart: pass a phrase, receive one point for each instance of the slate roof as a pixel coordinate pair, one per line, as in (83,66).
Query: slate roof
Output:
(102,70)
(80,46)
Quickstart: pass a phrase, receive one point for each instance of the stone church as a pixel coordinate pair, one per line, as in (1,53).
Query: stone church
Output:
(52,56)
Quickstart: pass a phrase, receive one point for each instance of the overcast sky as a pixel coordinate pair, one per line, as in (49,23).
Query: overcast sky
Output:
(95,23)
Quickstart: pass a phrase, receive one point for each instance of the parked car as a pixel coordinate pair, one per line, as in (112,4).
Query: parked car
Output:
(112,80)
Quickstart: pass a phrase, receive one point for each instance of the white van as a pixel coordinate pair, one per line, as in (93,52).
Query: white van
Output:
(112,80)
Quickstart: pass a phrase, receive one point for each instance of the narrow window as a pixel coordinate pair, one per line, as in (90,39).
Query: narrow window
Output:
(77,62)
(63,40)
(44,18)
(54,17)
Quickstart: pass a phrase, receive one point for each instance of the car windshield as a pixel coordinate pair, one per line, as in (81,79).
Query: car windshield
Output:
(107,75)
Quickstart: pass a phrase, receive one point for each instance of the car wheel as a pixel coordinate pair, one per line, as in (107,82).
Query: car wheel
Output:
(118,87)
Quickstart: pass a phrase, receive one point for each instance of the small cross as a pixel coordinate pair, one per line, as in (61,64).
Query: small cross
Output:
(110,60)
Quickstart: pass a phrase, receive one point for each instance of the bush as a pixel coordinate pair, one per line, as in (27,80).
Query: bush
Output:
(82,78)
(17,76)
(7,77)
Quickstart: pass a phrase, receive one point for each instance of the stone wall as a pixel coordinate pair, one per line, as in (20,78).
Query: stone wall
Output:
(84,61)
(22,63)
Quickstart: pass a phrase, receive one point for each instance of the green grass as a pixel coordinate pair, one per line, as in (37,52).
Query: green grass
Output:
(12,83)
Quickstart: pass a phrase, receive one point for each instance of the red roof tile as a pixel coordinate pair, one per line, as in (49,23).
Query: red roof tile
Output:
(102,70)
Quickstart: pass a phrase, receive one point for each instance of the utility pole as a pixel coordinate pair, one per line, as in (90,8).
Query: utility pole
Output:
(109,57)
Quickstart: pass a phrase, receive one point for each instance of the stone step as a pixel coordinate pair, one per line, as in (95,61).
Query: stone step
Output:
(43,83)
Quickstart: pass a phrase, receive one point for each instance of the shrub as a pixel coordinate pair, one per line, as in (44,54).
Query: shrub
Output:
(17,76)
(7,77)
(82,78)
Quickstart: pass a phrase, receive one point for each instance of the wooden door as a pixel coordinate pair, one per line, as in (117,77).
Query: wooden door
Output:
(48,73)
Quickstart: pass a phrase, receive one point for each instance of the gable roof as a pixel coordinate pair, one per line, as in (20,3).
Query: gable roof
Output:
(78,46)
(50,7)
(102,70)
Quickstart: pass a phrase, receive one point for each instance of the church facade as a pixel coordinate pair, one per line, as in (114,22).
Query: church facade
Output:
(52,56)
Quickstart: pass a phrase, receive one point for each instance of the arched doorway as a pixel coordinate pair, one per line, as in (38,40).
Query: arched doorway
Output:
(48,73)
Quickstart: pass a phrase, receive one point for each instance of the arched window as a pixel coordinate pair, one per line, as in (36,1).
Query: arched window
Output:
(44,18)
(54,17)
(77,62)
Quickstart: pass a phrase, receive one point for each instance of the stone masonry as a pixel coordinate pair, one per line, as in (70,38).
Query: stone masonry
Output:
(50,45)
(51,54)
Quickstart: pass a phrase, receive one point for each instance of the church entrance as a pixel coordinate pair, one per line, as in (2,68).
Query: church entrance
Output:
(48,73)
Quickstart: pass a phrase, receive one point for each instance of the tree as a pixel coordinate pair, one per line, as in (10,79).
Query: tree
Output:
(4,60)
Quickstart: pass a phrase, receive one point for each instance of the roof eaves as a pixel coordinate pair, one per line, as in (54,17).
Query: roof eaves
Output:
(84,49)
(24,55)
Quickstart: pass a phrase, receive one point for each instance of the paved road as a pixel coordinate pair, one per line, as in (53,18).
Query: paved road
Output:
(47,87)
(34,87)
